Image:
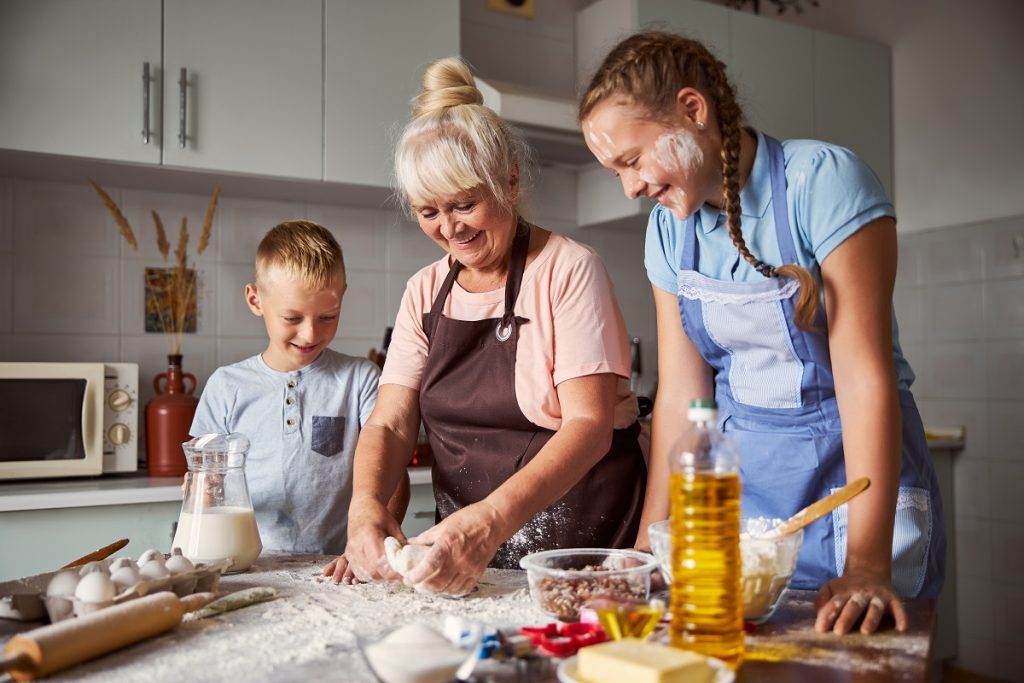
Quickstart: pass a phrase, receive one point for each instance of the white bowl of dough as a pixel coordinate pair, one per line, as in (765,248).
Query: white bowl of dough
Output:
(768,562)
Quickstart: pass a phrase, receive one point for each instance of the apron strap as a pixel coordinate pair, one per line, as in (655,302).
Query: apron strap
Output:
(513,281)
(777,163)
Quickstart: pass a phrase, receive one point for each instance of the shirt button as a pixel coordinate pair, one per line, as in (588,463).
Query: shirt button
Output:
(291,422)
(290,400)
(291,384)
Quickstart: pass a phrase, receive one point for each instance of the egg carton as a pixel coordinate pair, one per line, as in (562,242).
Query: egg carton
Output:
(26,599)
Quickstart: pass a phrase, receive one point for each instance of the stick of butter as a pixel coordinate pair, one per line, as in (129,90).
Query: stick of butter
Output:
(639,661)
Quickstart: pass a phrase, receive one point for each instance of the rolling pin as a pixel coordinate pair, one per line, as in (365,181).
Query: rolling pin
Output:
(49,649)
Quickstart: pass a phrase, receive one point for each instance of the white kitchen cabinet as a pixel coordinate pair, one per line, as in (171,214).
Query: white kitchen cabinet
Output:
(853,99)
(71,80)
(374,56)
(771,65)
(253,86)
(792,82)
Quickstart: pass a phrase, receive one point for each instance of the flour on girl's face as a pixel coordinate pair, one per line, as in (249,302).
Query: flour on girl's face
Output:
(678,154)
(602,145)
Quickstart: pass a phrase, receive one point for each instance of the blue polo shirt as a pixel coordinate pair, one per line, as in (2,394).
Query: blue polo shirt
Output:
(830,194)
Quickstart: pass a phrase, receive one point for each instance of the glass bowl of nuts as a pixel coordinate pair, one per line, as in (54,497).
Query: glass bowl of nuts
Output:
(563,581)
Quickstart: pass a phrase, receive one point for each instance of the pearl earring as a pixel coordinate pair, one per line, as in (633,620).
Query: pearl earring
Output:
(700,125)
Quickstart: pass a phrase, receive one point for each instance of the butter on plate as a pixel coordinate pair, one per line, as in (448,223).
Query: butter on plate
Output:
(639,661)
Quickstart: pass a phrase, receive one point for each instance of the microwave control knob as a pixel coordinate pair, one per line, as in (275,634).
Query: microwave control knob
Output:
(119,434)
(119,400)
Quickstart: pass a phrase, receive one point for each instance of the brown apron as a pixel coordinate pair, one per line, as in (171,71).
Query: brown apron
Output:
(480,437)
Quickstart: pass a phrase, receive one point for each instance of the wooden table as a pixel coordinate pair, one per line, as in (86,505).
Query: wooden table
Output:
(788,649)
(309,632)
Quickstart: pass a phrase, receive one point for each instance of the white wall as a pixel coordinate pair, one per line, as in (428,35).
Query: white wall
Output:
(958,104)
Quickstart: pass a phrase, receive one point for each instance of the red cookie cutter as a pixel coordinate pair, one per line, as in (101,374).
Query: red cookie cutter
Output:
(563,640)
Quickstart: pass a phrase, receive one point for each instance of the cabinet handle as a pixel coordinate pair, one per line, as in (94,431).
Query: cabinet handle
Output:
(423,515)
(182,106)
(145,102)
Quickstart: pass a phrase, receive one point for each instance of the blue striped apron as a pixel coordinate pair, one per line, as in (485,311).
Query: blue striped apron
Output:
(776,399)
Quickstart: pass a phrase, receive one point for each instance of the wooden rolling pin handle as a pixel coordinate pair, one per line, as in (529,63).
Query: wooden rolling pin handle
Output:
(49,649)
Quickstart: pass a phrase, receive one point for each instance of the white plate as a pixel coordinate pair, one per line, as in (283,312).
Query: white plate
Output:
(567,671)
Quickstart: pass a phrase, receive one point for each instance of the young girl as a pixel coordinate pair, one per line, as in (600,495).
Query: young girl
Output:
(780,260)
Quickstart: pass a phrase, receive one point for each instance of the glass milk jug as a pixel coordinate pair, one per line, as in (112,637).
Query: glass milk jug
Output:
(217,519)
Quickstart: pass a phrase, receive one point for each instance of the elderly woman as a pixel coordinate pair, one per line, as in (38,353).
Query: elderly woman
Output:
(512,350)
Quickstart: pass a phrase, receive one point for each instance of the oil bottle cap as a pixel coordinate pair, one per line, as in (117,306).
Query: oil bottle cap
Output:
(702,410)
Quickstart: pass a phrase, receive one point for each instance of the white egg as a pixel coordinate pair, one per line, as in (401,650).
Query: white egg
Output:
(178,563)
(63,583)
(95,587)
(90,567)
(151,554)
(125,576)
(122,562)
(154,570)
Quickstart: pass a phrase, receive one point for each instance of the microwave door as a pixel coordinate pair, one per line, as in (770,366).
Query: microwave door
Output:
(49,427)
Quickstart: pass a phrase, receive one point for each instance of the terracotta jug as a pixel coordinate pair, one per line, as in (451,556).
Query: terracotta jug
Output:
(168,419)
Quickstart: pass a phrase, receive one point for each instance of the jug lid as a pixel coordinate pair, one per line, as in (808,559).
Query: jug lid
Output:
(235,442)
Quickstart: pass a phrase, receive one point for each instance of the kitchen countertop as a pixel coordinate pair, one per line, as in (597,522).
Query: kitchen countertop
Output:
(119,489)
(309,633)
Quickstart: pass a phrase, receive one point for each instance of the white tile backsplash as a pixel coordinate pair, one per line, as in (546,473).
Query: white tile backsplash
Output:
(6,291)
(972,487)
(953,312)
(363,241)
(1004,249)
(973,547)
(1004,309)
(953,370)
(356,346)
(951,256)
(6,214)
(1007,483)
(66,348)
(53,218)
(363,310)
(244,222)
(409,249)
(66,292)
(234,318)
(1006,430)
(1007,550)
(975,606)
(1005,369)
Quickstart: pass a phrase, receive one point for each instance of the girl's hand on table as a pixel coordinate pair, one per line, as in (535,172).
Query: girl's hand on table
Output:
(462,546)
(369,524)
(844,600)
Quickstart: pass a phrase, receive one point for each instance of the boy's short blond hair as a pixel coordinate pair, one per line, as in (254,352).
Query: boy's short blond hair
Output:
(303,249)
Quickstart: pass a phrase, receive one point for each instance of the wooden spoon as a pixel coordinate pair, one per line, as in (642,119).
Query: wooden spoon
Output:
(820,508)
(104,552)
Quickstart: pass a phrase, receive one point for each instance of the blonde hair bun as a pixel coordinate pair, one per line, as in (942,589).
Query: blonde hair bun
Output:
(447,83)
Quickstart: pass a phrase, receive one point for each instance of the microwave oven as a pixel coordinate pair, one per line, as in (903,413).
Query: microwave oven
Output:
(68,419)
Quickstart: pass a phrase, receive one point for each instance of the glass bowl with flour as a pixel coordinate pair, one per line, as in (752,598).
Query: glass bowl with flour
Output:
(768,562)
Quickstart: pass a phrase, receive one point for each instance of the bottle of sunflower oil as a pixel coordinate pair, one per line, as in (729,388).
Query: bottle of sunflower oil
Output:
(706,600)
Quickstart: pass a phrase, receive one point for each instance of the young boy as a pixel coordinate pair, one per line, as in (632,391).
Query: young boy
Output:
(300,403)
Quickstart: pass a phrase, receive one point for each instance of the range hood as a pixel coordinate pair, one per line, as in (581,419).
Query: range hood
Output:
(549,123)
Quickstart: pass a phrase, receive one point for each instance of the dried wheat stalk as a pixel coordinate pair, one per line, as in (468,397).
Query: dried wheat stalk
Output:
(161,236)
(211,208)
(122,222)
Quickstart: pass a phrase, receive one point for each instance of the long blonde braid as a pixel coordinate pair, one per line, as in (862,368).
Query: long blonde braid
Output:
(650,68)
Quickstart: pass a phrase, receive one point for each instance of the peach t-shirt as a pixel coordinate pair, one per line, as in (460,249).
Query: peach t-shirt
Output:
(575,328)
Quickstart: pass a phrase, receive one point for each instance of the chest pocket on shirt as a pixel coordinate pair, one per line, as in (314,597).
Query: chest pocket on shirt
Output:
(328,435)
